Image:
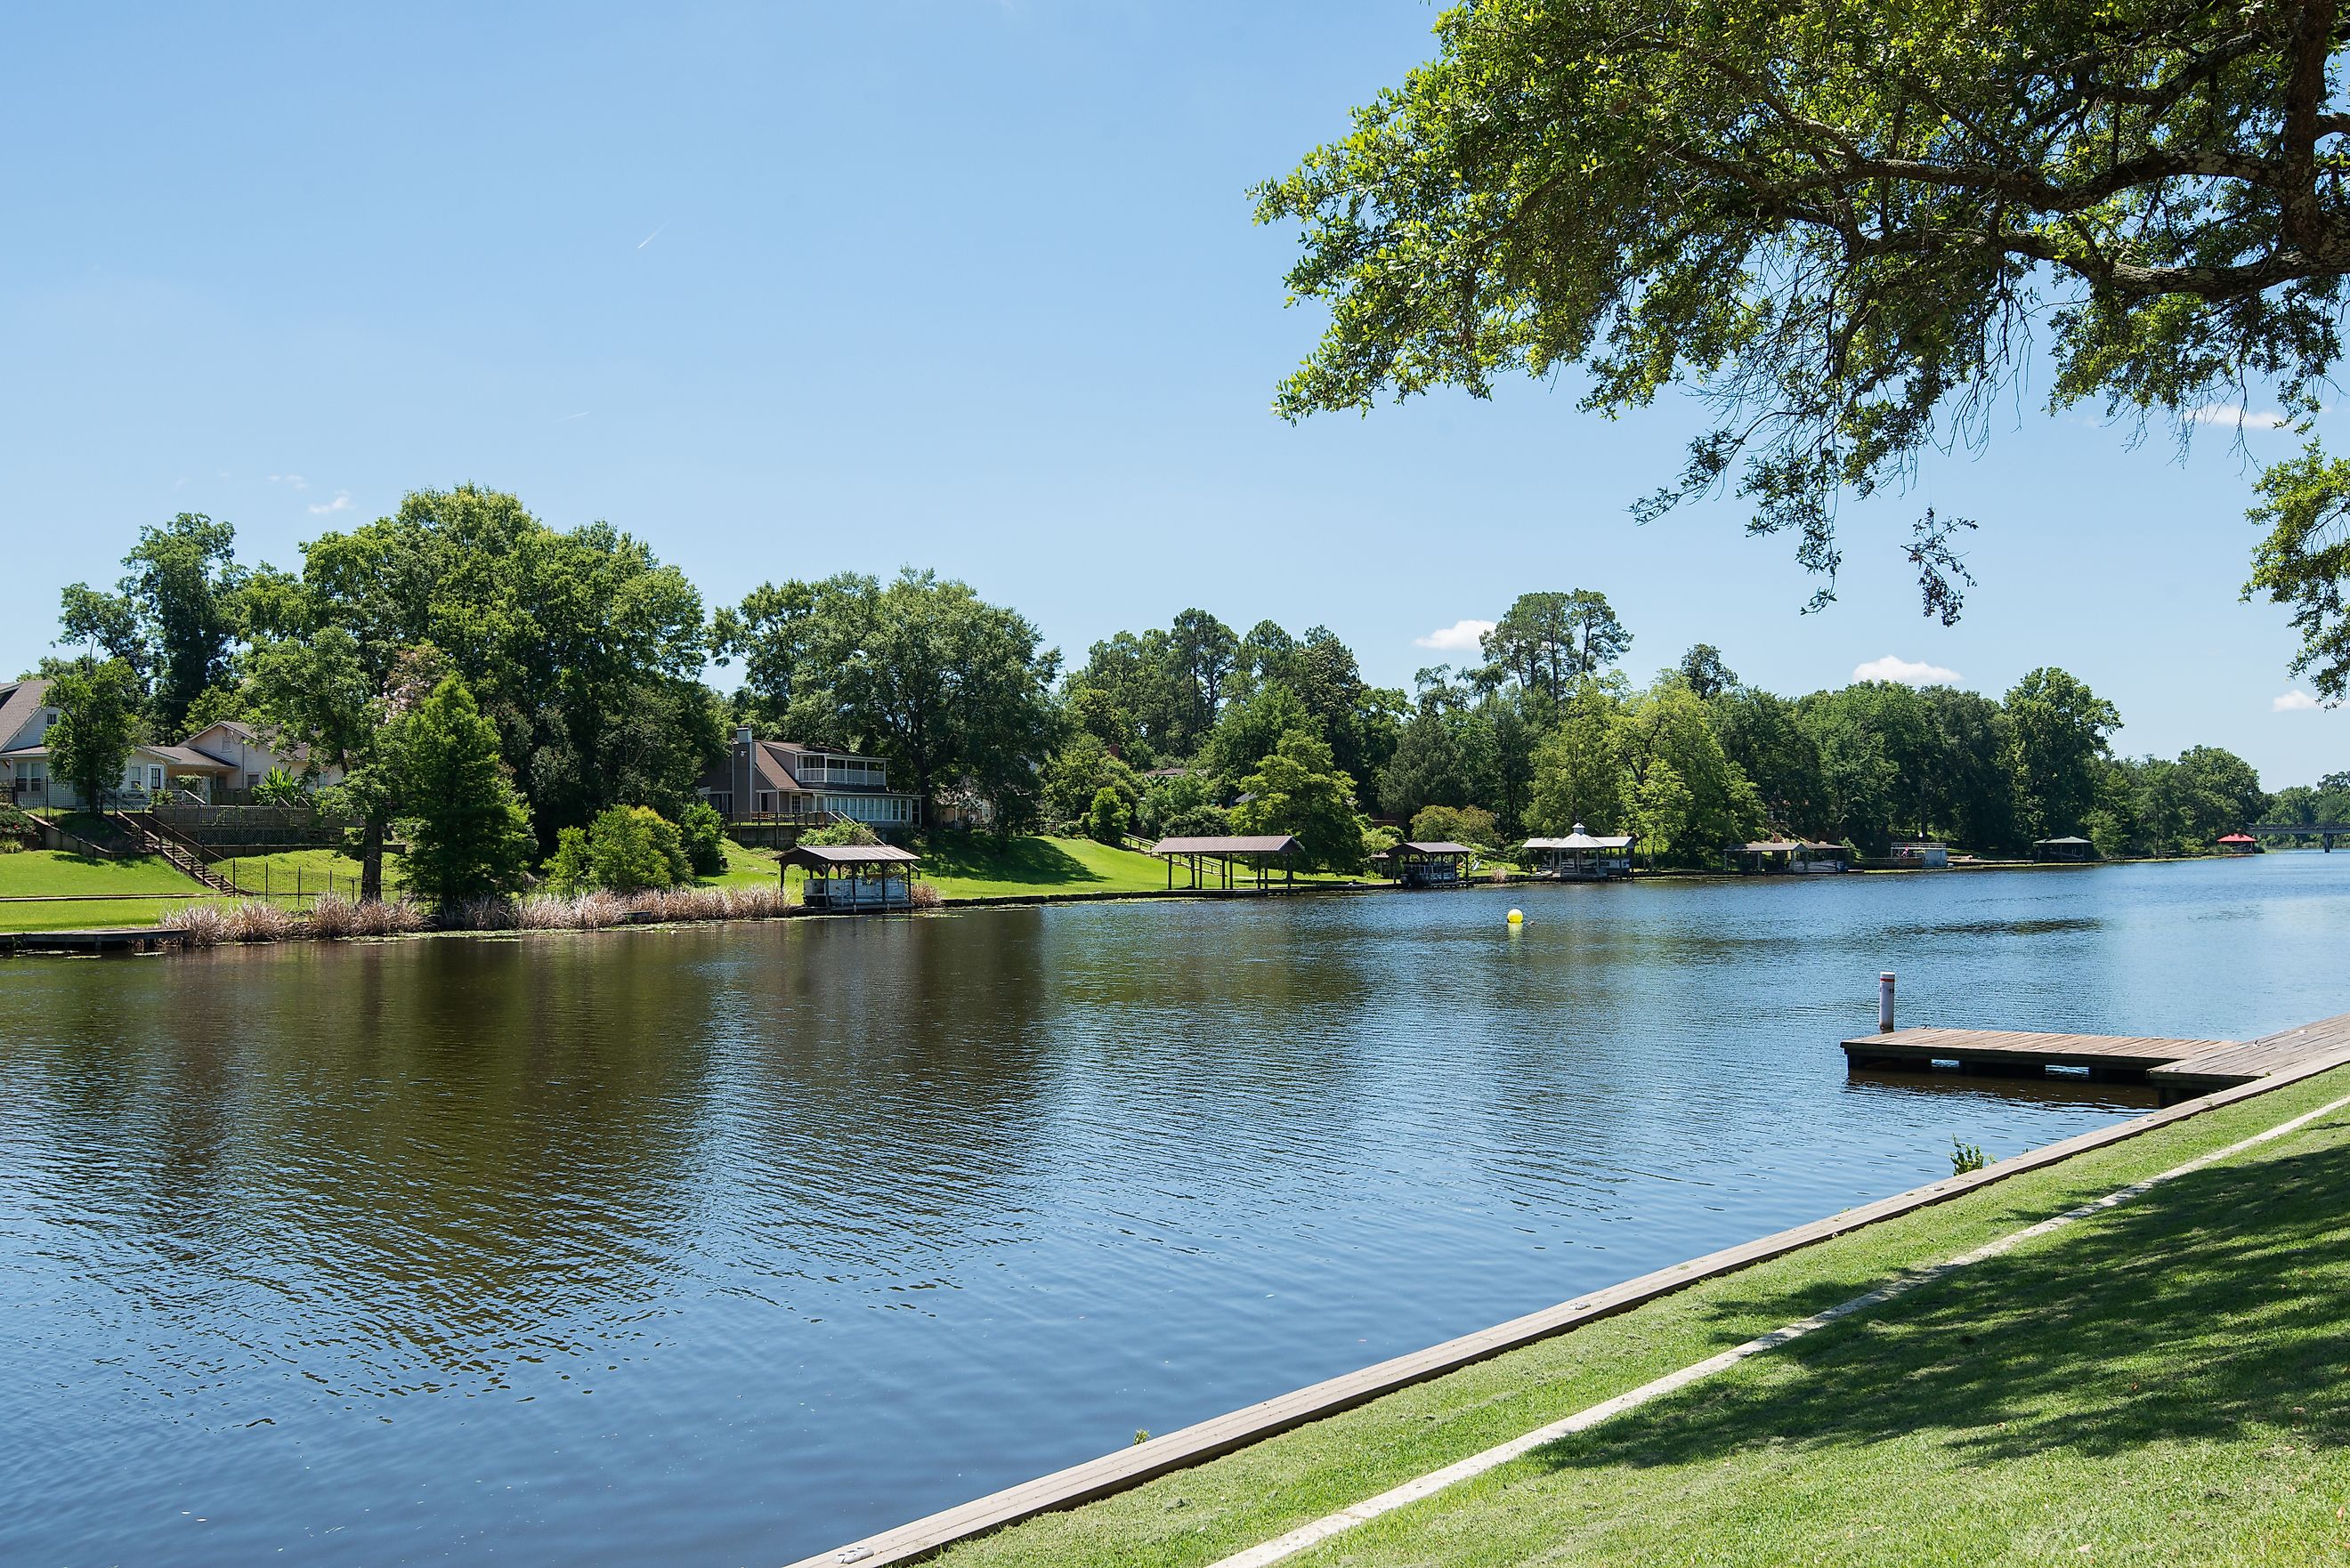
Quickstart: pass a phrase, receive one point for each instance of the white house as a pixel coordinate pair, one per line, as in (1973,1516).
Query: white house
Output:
(217,761)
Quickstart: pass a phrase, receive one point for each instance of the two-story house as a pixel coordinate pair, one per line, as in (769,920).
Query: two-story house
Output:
(784,779)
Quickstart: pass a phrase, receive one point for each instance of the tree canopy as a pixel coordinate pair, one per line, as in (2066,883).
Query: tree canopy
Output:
(1852,228)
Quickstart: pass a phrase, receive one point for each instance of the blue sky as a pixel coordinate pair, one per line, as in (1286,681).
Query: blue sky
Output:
(788,290)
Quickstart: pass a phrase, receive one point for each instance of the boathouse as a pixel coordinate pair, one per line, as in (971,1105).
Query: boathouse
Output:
(1783,856)
(2069,848)
(1582,856)
(1438,864)
(1214,860)
(1910,854)
(2238,844)
(855,876)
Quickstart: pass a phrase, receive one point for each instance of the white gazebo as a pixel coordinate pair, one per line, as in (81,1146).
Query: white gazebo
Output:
(1582,856)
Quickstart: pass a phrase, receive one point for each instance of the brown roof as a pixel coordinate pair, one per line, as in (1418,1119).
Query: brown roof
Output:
(832,857)
(1785,846)
(1250,844)
(190,758)
(19,702)
(1441,847)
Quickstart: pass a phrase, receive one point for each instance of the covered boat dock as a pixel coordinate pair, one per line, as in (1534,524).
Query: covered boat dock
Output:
(1213,860)
(1433,864)
(855,876)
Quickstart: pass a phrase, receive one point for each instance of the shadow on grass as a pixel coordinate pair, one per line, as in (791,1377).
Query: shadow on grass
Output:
(1029,862)
(2208,1308)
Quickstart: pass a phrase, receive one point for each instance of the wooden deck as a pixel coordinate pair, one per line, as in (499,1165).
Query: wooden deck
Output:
(2179,1068)
(109,940)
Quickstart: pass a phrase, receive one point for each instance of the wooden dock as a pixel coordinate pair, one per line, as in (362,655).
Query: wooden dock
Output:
(106,940)
(2180,1069)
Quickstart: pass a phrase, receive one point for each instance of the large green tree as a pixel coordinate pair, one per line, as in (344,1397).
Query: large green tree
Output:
(566,639)
(96,726)
(175,616)
(1856,228)
(1548,642)
(1299,790)
(2057,731)
(324,694)
(951,688)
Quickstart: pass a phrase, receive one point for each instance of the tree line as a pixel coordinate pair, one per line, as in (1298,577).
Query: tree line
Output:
(486,684)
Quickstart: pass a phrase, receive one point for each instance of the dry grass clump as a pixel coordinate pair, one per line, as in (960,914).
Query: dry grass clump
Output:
(766,901)
(258,920)
(203,925)
(923,895)
(486,914)
(586,912)
(389,918)
(332,916)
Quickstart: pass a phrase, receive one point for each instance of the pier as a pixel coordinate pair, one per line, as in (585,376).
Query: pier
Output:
(103,940)
(2180,1069)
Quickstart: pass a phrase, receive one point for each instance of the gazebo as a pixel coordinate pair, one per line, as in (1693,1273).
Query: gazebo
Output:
(1583,857)
(2238,844)
(855,876)
(2069,848)
(1214,858)
(1438,864)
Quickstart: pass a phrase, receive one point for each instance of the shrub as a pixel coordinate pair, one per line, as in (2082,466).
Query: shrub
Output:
(845,830)
(706,838)
(1105,818)
(625,851)
(280,787)
(923,896)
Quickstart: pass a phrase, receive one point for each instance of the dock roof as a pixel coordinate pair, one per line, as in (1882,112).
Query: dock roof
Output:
(1579,839)
(1243,844)
(842,856)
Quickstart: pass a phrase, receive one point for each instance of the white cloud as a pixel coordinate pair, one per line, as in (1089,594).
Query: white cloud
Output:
(291,481)
(342,503)
(1461,635)
(2231,413)
(2292,702)
(1906,673)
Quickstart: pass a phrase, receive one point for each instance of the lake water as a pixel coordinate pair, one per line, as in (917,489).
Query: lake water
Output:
(727,1245)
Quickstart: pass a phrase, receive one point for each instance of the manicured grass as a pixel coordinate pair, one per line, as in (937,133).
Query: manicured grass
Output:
(974,866)
(76,915)
(2164,1382)
(54,874)
(303,871)
(744,867)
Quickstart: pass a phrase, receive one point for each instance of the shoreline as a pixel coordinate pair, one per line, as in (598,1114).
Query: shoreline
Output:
(1125,1469)
(70,941)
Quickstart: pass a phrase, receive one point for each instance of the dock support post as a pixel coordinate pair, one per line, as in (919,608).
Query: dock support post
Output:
(1884,1003)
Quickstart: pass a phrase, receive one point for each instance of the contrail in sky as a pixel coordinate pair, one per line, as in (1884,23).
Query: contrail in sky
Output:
(569,418)
(650,238)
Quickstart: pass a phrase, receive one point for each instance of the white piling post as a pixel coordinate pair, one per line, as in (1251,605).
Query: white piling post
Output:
(1884,1003)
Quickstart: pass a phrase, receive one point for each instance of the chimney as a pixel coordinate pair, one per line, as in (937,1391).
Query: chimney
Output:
(744,775)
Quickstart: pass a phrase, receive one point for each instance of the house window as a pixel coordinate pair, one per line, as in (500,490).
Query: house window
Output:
(154,778)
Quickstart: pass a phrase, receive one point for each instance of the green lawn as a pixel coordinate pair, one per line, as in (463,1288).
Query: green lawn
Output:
(2167,1382)
(302,871)
(62,914)
(55,874)
(744,867)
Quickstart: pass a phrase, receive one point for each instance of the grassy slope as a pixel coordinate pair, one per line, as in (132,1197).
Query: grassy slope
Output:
(2162,1383)
(55,874)
(973,867)
(308,869)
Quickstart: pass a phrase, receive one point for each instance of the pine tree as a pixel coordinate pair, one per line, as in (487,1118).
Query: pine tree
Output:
(469,837)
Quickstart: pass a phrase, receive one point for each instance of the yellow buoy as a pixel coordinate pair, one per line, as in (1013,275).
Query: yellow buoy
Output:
(1517,917)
